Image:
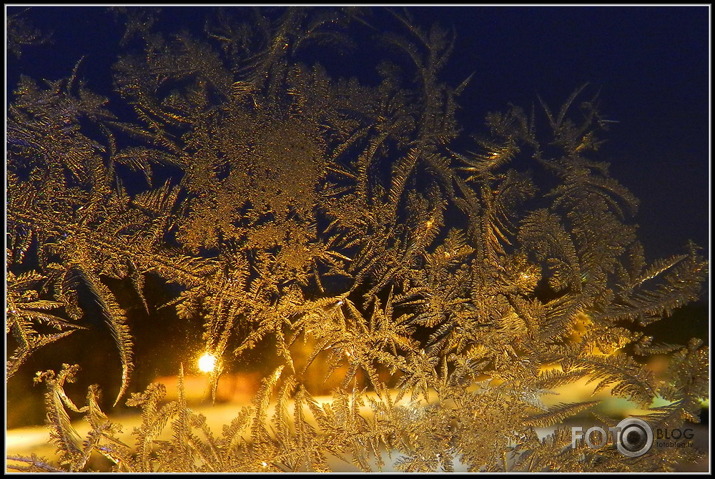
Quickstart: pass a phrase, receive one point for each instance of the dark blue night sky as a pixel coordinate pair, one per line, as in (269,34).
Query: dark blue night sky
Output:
(650,63)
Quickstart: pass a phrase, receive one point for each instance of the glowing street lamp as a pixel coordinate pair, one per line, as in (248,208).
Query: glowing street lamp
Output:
(207,363)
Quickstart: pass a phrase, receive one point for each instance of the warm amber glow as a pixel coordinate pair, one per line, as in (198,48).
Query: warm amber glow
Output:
(207,363)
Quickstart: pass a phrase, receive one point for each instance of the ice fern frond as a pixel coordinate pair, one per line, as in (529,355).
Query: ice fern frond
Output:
(557,414)
(660,289)
(627,378)
(26,314)
(115,320)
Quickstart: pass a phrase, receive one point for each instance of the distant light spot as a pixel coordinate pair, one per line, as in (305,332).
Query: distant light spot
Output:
(207,363)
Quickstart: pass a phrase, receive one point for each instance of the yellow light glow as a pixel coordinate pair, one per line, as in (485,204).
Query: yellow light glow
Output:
(207,363)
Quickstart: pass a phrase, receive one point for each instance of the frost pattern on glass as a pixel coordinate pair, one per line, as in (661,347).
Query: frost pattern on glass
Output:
(448,287)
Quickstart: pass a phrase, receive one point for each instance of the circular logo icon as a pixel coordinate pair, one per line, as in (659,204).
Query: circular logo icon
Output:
(635,437)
